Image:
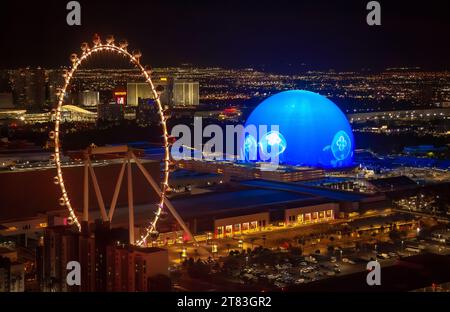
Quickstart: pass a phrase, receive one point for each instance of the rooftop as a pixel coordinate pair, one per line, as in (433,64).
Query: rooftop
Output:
(298,188)
(211,203)
(393,183)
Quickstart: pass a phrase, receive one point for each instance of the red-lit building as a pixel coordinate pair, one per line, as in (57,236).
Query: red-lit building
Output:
(120,97)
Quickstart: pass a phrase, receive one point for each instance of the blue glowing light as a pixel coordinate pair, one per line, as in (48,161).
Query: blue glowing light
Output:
(272,143)
(250,149)
(311,130)
(341,146)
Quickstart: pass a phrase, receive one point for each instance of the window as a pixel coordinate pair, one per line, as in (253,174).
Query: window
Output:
(220,231)
(307,217)
(321,214)
(254,225)
(315,216)
(245,226)
(300,218)
(229,230)
(237,228)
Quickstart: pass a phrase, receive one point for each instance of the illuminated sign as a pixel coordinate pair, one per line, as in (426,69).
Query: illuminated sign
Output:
(121,97)
(120,100)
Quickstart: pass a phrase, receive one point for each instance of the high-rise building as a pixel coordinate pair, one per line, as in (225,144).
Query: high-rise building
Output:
(130,268)
(55,82)
(61,245)
(6,100)
(185,94)
(110,112)
(88,98)
(12,273)
(120,97)
(142,90)
(172,93)
(107,263)
(5,85)
(146,112)
(28,87)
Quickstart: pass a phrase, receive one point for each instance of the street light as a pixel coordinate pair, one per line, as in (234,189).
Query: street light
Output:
(214,249)
(241,243)
(184,253)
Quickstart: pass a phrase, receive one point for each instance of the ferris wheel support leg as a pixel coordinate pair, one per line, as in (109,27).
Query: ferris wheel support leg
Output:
(168,204)
(86,192)
(116,191)
(178,218)
(130,202)
(98,193)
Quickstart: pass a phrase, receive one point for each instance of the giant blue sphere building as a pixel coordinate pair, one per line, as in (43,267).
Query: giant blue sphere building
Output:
(312,131)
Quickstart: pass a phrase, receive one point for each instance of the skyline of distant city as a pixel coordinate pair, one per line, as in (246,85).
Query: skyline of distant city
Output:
(265,34)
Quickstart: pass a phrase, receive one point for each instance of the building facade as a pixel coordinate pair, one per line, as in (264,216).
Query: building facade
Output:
(185,94)
(28,87)
(172,93)
(130,268)
(312,214)
(88,98)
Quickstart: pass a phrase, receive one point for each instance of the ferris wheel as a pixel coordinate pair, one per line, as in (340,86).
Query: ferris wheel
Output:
(121,49)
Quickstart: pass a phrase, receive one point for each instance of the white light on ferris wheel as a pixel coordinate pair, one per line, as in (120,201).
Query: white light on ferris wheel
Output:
(135,57)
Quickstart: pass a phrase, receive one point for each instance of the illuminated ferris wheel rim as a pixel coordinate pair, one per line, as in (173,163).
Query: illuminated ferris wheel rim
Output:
(56,113)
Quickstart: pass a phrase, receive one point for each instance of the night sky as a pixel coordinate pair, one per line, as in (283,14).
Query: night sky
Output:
(229,33)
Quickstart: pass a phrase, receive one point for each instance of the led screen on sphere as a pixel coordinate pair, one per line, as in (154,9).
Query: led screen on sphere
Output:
(312,131)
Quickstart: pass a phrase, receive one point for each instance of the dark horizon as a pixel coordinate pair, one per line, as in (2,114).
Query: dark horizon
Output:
(276,36)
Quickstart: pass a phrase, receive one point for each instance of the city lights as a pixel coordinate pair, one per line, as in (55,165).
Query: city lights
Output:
(271,149)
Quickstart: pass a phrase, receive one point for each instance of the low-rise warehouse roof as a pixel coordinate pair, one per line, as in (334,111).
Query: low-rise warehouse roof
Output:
(309,190)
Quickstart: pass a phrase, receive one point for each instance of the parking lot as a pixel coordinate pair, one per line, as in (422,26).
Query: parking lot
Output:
(279,269)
